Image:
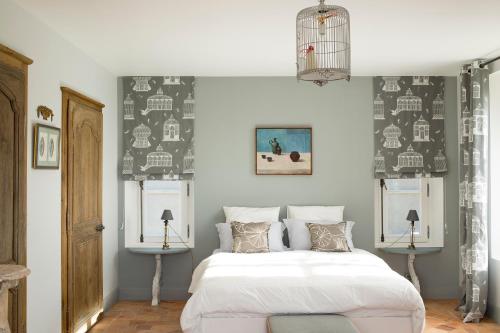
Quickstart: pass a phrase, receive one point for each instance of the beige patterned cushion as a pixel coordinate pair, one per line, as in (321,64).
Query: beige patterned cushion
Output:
(250,237)
(328,237)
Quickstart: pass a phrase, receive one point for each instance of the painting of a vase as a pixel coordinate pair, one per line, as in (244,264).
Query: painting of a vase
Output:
(289,149)
(295,156)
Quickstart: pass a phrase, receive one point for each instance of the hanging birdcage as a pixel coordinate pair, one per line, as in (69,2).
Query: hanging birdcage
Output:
(323,44)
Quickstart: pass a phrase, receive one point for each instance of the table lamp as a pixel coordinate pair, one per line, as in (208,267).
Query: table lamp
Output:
(412,217)
(166,216)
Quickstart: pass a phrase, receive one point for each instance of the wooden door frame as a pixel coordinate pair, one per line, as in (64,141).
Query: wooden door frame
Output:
(67,95)
(20,62)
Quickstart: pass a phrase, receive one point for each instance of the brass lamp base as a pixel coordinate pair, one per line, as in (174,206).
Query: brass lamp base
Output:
(165,244)
(412,244)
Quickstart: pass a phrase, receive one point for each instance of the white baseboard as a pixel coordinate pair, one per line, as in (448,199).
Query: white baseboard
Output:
(110,299)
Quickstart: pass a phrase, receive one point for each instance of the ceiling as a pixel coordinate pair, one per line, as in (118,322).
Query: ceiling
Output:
(257,37)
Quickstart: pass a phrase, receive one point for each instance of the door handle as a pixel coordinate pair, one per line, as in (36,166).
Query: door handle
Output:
(100,227)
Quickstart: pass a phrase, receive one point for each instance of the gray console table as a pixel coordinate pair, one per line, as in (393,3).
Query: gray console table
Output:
(157,252)
(411,259)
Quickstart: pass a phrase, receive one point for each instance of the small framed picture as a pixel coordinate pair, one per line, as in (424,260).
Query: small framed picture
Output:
(46,142)
(283,151)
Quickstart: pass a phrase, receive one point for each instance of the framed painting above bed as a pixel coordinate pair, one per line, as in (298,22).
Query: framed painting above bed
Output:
(283,151)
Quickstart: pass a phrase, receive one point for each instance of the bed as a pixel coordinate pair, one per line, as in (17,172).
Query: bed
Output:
(233,292)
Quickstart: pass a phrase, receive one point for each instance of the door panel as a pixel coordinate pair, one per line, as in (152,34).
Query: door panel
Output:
(7,176)
(82,159)
(13,74)
(86,288)
(8,223)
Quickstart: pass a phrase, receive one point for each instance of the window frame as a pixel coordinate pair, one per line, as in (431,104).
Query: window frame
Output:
(433,195)
(132,216)
(424,216)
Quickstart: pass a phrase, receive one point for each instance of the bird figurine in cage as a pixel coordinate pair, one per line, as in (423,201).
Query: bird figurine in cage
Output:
(310,58)
(322,21)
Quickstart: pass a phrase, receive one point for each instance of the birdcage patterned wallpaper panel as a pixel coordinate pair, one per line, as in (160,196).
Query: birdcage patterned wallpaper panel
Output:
(408,116)
(158,127)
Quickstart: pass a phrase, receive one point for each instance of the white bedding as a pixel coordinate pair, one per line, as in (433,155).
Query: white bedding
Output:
(354,283)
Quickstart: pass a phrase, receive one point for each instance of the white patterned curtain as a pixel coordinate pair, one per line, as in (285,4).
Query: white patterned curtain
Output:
(474,189)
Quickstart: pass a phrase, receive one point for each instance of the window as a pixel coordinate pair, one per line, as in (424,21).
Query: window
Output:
(157,196)
(395,197)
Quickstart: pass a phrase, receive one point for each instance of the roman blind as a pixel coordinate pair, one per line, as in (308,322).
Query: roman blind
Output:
(409,116)
(158,127)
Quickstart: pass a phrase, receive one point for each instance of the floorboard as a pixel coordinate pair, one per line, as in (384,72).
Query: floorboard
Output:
(141,317)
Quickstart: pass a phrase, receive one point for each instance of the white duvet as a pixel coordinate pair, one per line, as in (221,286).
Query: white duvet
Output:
(350,283)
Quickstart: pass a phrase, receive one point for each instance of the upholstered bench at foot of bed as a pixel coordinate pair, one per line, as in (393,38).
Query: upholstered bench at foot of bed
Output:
(310,324)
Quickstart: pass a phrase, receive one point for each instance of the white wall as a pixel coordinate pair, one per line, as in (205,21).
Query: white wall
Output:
(58,63)
(494,261)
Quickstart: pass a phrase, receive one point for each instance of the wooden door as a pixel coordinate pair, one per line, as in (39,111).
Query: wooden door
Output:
(82,211)
(13,93)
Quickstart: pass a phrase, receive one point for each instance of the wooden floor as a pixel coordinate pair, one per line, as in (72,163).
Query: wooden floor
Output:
(141,317)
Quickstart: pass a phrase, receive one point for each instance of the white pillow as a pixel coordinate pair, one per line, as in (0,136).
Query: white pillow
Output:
(314,213)
(300,238)
(252,214)
(274,237)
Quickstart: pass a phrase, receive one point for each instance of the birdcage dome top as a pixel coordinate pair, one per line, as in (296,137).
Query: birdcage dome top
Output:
(392,131)
(421,121)
(409,96)
(478,110)
(322,9)
(440,155)
(159,152)
(171,120)
(128,100)
(159,95)
(438,99)
(128,156)
(142,130)
(410,152)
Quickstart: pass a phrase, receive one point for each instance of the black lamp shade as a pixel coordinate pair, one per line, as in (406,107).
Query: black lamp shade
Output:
(167,215)
(412,215)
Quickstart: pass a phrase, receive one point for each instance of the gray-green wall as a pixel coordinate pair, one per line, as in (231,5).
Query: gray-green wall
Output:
(340,113)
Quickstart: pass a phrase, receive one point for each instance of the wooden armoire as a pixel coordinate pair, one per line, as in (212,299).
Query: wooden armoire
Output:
(13,146)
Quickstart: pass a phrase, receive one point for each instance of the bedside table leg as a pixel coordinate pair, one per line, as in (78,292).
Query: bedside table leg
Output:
(413,274)
(4,304)
(156,281)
